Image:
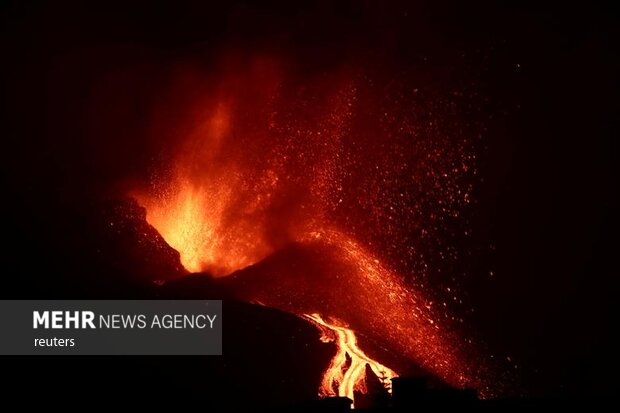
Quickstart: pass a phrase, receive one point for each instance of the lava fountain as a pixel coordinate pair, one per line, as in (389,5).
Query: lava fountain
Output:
(339,181)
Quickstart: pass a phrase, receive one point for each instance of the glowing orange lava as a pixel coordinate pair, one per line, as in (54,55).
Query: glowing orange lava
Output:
(193,221)
(260,166)
(342,377)
(241,187)
(212,208)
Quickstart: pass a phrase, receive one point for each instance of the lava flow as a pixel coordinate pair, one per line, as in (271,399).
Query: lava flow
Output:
(342,375)
(321,195)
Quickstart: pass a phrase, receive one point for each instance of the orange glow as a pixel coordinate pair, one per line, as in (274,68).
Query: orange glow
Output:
(193,221)
(342,375)
(258,167)
(211,211)
(243,185)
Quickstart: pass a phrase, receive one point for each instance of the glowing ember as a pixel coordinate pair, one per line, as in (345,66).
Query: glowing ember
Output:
(347,375)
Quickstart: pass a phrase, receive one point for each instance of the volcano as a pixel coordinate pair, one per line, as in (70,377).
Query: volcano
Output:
(280,299)
(323,196)
(373,188)
(328,280)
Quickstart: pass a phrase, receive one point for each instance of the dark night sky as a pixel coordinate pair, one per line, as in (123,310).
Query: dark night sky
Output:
(547,77)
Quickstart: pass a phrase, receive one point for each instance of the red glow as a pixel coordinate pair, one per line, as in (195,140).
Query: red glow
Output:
(196,215)
(266,161)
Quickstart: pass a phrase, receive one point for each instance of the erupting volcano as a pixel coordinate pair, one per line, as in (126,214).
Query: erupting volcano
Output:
(326,196)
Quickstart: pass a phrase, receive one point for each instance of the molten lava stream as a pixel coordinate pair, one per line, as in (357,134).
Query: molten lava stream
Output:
(337,375)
